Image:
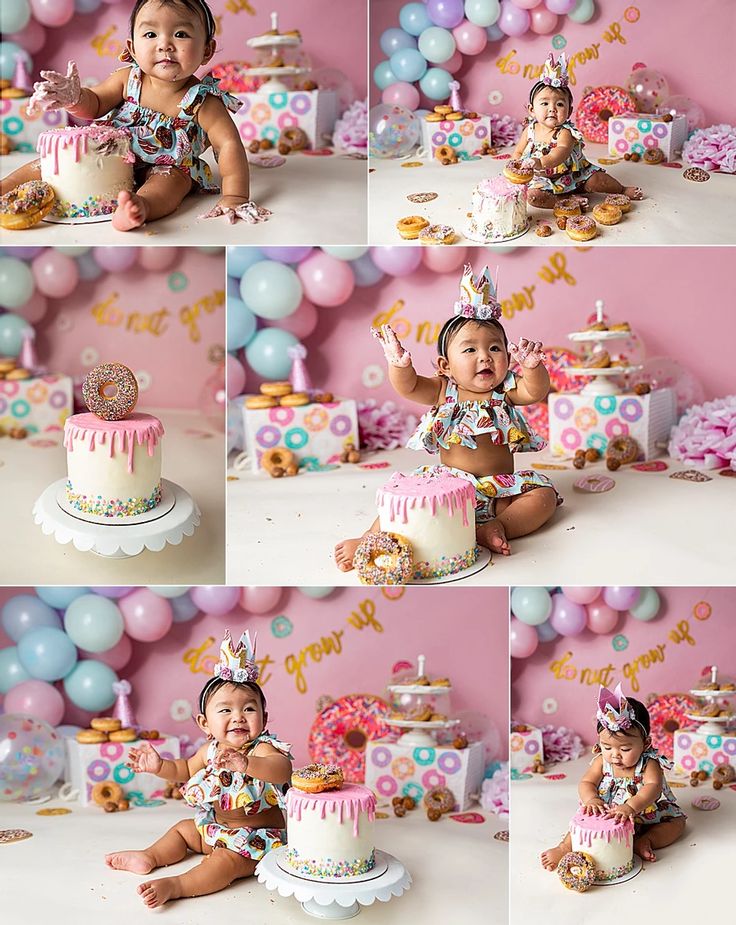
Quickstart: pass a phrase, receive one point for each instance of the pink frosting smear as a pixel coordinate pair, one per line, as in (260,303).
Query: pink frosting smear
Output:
(586,828)
(347,802)
(78,137)
(501,188)
(118,436)
(409,491)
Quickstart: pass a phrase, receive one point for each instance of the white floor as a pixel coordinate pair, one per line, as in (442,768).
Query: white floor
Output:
(194,461)
(459,872)
(676,211)
(314,200)
(283,531)
(688,882)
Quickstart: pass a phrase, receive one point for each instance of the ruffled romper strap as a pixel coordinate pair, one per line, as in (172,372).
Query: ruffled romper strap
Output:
(196,95)
(133,87)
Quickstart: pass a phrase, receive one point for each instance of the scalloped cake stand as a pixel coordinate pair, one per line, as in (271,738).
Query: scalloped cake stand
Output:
(174,518)
(334,900)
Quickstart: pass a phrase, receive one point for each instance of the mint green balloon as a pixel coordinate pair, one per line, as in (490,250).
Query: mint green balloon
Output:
(437,45)
(531,605)
(647,607)
(60,596)
(169,590)
(89,685)
(73,251)
(12,329)
(266,353)
(94,623)
(12,671)
(16,283)
(316,593)
(271,289)
(345,251)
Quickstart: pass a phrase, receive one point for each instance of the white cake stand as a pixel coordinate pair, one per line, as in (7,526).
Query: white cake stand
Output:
(174,518)
(274,84)
(712,725)
(600,377)
(334,900)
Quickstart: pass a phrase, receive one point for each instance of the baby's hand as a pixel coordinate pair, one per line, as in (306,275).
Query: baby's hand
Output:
(621,812)
(231,760)
(392,348)
(145,759)
(528,354)
(594,808)
(234,208)
(56,91)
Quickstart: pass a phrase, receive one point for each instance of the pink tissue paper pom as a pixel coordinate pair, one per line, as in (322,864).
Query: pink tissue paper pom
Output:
(505,130)
(706,435)
(383,427)
(712,148)
(351,129)
(561,744)
(494,795)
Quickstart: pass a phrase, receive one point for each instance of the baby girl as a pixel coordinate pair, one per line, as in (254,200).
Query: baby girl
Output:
(172,116)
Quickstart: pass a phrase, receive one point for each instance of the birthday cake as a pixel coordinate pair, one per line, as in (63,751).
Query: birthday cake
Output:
(434,512)
(609,842)
(498,211)
(87,166)
(330,834)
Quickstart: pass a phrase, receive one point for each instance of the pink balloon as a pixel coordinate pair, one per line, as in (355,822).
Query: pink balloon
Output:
(523,4)
(300,323)
(326,280)
(455,62)
(260,600)
(543,21)
(31,37)
(56,274)
(444,259)
(620,598)
(34,309)
(217,600)
(469,38)
(513,19)
(581,595)
(397,261)
(147,616)
(37,698)
(115,259)
(601,617)
(115,658)
(235,376)
(53,12)
(567,617)
(157,258)
(401,94)
(523,639)
(560,6)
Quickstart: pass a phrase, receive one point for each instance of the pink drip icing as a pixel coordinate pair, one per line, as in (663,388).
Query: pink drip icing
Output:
(587,828)
(123,435)
(350,800)
(500,187)
(78,137)
(409,491)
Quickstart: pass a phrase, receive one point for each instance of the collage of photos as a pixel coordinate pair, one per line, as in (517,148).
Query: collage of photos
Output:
(361,557)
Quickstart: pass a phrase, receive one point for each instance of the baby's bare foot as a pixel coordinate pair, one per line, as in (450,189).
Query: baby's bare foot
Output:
(344,553)
(130,213)
(551,857)
(634,192)
(157,892)
(139,862)
(493,535)
(643,847)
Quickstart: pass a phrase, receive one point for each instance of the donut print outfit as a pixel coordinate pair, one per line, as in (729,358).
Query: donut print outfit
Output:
(453,422)
(616,790)
(571,173)
(170,141)
(210,788)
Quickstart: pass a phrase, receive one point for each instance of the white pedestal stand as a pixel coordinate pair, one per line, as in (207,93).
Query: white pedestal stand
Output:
(601,382)
(712,725)
(334,900)
(419,734)
(174,518)
(274,83)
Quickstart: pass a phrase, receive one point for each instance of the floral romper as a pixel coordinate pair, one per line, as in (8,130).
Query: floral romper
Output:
(234,790)
(454,422)
(170,141)
(571,173)
(616,790)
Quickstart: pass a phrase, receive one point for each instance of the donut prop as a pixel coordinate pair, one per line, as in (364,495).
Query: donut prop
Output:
(276,389)
(91,737)
(410,226)
(566,208)
(294,400)
(259,402)
(599,105)
(519,170)
(723,774)
(316,778)
(667,715)
(339,733)
(383,559)
(622,451)
(279,461)
(618,199)
(106,723)
(97,387)
(607,214)
(107,792)
(445,155)
(653,156)
(26,205)
(123,735)
(581,228)
(292,139)
(439,799)
(437,234)
(576,870)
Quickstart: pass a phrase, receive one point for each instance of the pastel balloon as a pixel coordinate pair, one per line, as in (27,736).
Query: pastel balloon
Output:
(523,639)
(316,593)
(620,598)
(455,62)
(87,6)
(287,254)
(444,259)
(56,274)
(546,632)
(112,591)
(13,329)
(327,281)
(87,267)
(436,45)
(266,353)
(47,653)
(383,75)
(514,20)
(32,37)
(53,13)
(116,657)
(525,4)
(544,21)
(583,11)
(14,15)
(436,83)
(447,13)
(366,273)
(397,261)
(34,309)
(31,759)
(469,38)
(240,258)
(234,376)
(393,40)
(260,599)
(345,251)
(483,12)
(36,698)
(531,605)
(183,608)
(74,250)
(147,617)
(408,64)
(24,612)
(89,686)
(567,617)
(401,94)
(93,623)
(9,53)
(169,590)
(300,323)
(115,259)
(12,671)
(601,617)
(579,594)
(392,130)
(241,324)
(680,105)
(647,607)
(494,33)
(414,18)
(156,259)
(216,600)
(271,289)
(560,6)
(16,283)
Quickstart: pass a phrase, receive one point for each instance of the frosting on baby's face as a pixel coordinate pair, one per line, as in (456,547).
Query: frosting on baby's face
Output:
(477,358)
(169,41)
(550,107)
(622,749)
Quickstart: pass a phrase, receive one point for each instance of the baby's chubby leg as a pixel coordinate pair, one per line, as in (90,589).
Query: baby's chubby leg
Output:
(173,846)
(541,198)
(658,835)
(24,174)
(517,516)
(345,550)
(602,182)
(160,195)
(216,871)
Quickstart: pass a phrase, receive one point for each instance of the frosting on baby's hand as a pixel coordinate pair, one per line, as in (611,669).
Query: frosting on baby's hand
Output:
(393,350)
(528,353)
(55,90)
(246,211)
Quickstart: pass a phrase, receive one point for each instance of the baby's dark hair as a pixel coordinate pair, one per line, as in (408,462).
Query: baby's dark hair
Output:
(214,684)
(452,327)
(194,6)
(642,722)
(541,85)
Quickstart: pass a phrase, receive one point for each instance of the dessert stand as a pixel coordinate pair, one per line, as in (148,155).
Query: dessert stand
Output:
(712,725)
(272,71)
(419,734)
(602,378)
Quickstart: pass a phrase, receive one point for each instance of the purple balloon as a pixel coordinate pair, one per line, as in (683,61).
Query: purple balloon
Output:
(567,618)
(113,592)
(115,259)
(396,261)
(512,20)
(560,6)
(25,253)
(446,13)
(183,608)
(215,599)
(287,254)
(620,598)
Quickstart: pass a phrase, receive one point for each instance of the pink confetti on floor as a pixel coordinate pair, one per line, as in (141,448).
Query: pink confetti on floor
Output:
(43,444)
(374,465)
(555,776)
(471,818)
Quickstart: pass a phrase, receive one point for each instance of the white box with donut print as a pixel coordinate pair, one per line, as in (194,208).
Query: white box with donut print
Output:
(88,765)
(394,770)
(578,421)
(316,433)
(23,130)
(639,132)
(466,137)
(40,404)
(525,746)
(699,751)
(266,115)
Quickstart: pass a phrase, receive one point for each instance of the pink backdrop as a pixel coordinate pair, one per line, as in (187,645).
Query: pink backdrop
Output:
(662,38)
(159,323)
(334,35)
(706,638)
(474,656)
(546,295)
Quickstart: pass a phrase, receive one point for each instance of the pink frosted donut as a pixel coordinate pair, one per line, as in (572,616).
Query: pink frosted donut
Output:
(342,730)
(597,107)
(595,483)
(110,391)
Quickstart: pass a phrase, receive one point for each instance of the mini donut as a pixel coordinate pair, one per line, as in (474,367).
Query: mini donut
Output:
(519,170)
(565,208)
(653,156)
(316,778)
(323,398)
(294,399)
(618,199)
(724,774)
(106,723)
(443,109)
(98,380)
(26,205)
(434,117)
(276,389)
(279,457)
(296,138)
(581,228)
(599,360)
(123,735)
(543,230)
(445,154)
(437,234)
(410,226)
(258,402)
(597,106)
(107,792)
(397,562)
(624,449)
(91,737)
(607,214)
(620,326)
(576,870)
(440,799)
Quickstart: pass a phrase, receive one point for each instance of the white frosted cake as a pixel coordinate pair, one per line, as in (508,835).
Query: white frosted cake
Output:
(435,512)
(87,166)
(609,843)
(114,467)
(330,834)
(498,211)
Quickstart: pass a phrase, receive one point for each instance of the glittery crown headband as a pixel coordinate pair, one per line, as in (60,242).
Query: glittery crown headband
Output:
(554,74)
(477,296)
(236,664)
(614,711)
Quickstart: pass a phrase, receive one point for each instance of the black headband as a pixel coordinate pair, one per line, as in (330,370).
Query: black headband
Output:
(209,20)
